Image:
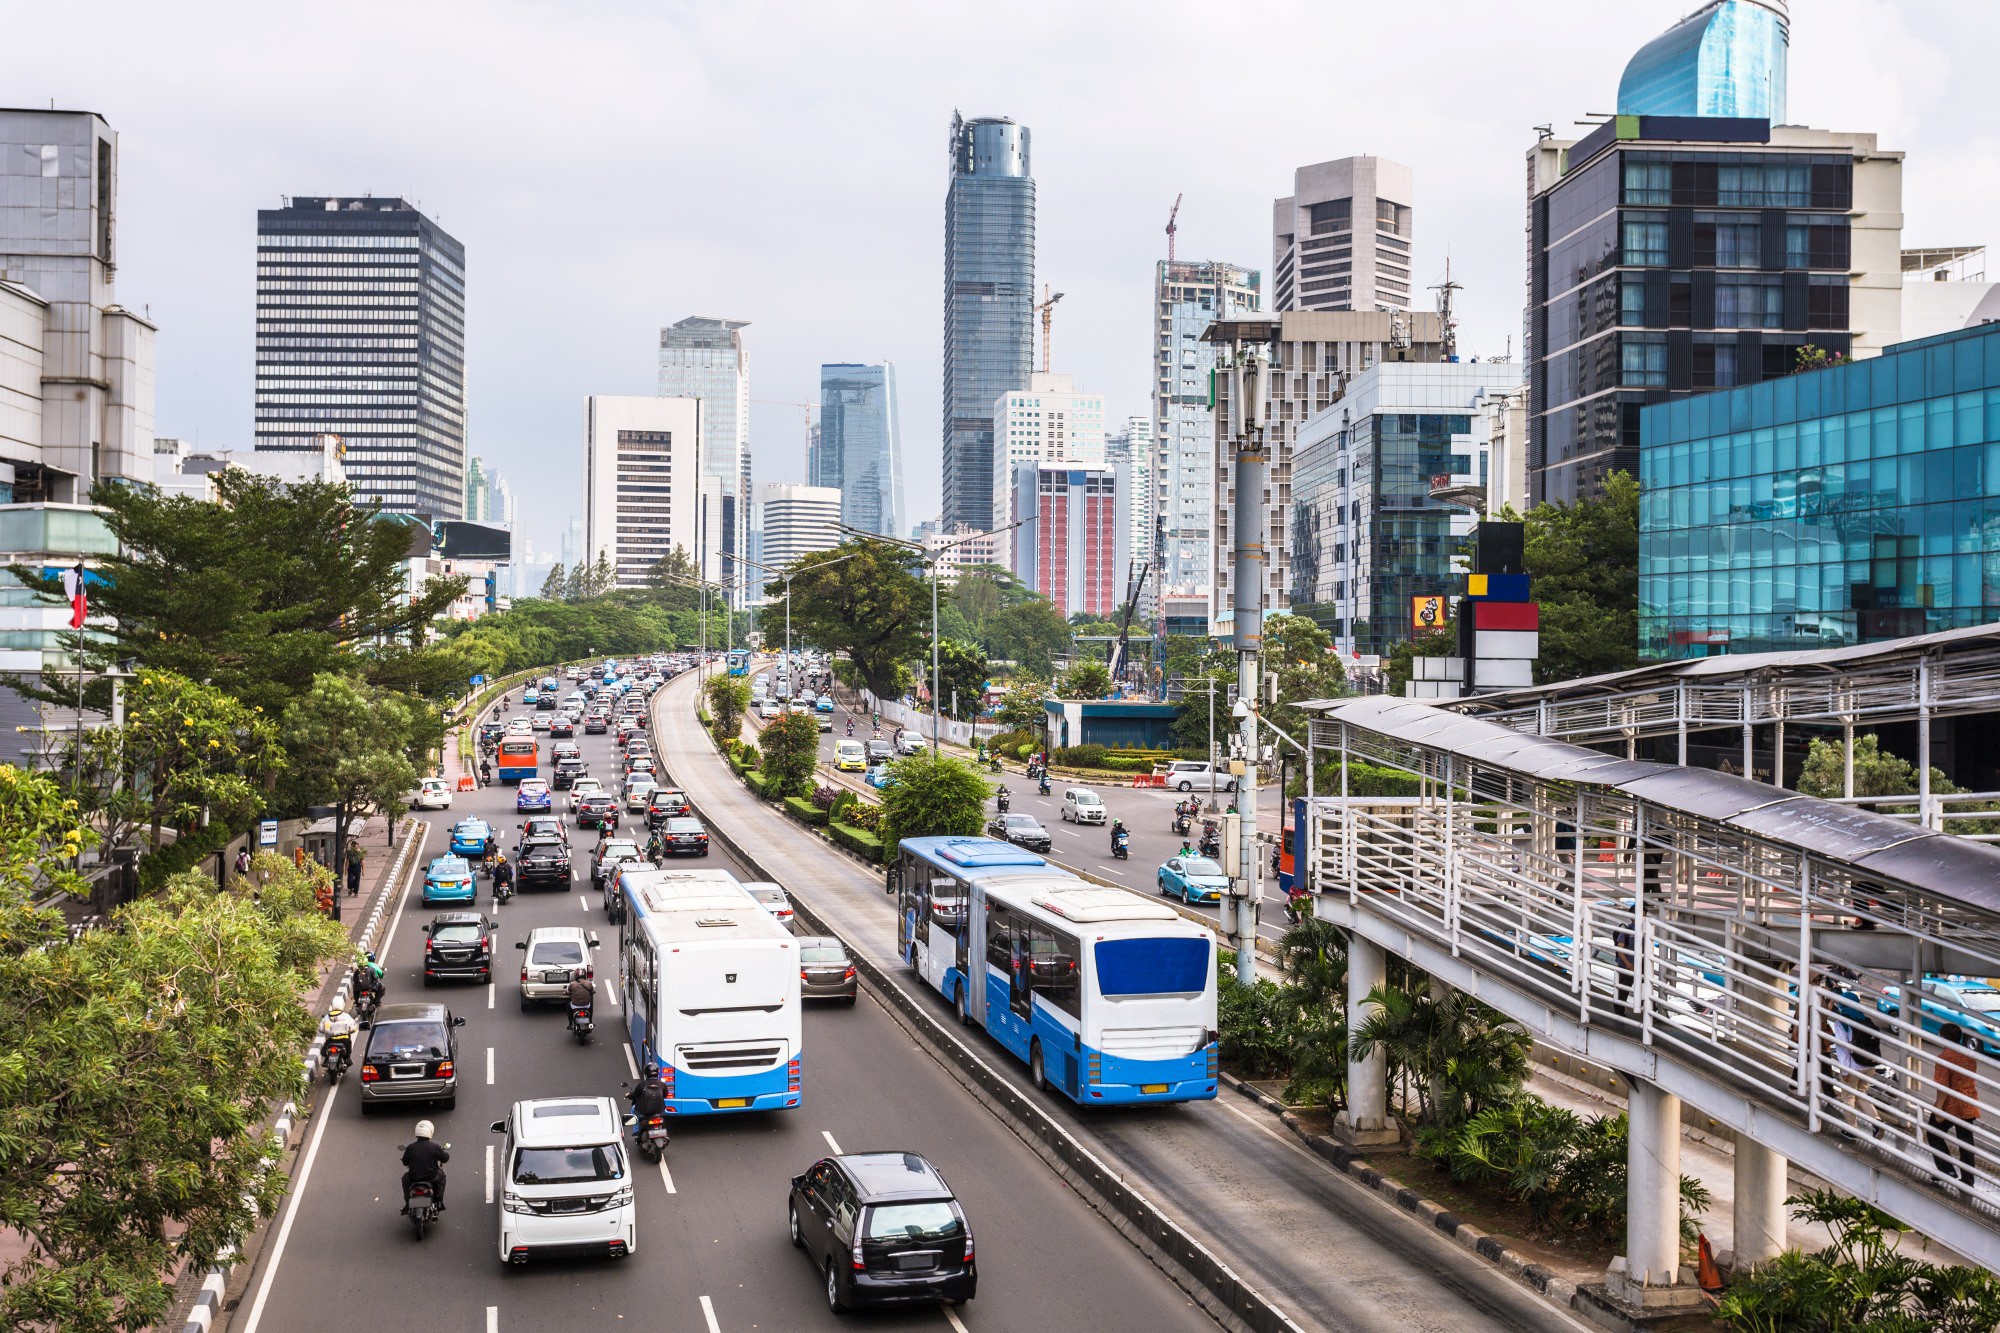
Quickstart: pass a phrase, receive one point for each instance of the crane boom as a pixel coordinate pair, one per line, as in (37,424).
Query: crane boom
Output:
(1173,226)
(1134,586)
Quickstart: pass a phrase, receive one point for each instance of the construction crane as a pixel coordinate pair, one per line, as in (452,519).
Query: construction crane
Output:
(1136,584)
(1173,226)
(1047,308)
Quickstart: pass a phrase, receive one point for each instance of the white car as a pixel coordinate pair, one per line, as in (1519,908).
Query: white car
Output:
(767,707)
(584,786)
(638,792)
(1081,805)
(557,955)
(432,794)
(1197,775)
(908,742)
(771,897)
(565,1179)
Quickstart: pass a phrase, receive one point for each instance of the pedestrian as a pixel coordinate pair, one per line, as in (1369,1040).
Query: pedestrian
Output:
(243,860)
(355,856)
(1955,1108)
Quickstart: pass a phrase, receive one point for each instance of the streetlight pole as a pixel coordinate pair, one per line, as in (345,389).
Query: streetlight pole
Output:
(1249,406)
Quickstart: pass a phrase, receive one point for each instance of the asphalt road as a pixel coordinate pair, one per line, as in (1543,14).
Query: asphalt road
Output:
(713,1255)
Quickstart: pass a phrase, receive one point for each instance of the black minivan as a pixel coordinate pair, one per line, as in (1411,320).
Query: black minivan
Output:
(882,1228)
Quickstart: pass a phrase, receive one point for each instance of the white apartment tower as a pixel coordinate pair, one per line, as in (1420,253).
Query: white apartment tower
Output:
(1130,455)
(1047,422)
(1188,296)
(1342,239)
(642,483)
(798,520)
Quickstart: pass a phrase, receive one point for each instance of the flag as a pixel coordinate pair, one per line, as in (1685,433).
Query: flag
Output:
(79,596)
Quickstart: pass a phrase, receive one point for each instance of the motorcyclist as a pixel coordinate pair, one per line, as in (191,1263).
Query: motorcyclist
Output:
(485,773)
(649,1096)
(503,877)
(339,1027)
(582,998)
(656,848)
(1002,800)
(1187,849)
(1118,834)
(850,726)
(1044,782)
(367,978)
(424,1161)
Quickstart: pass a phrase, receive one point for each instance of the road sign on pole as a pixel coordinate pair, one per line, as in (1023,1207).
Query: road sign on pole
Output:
(267,833)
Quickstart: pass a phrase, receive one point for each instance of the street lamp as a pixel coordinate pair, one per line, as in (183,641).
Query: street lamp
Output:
(933,555)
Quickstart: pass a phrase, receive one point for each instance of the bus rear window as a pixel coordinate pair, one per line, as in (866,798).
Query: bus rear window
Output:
(1152,967)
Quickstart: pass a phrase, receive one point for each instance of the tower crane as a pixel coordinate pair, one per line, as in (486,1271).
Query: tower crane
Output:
(1047,308)
(1173,225)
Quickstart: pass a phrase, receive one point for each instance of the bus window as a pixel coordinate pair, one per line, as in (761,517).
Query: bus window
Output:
(999,937)
(1052,968)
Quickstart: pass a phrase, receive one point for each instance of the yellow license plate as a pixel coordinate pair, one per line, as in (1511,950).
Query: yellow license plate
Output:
(725,1103)
(1152,1087)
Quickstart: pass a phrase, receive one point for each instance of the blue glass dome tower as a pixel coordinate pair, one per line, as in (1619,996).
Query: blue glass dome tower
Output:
(1726,59)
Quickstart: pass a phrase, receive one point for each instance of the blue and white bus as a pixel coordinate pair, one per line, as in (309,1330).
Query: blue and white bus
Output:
(710,985)
(739,661)
(1109,997)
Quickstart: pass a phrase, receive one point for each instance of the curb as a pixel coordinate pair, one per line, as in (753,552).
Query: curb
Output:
(209,1299)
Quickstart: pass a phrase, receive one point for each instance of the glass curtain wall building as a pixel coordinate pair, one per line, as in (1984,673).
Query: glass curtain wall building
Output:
(859,446)
(989,297)
(1726,59)
(361,334)
(1855,503)
(704,359)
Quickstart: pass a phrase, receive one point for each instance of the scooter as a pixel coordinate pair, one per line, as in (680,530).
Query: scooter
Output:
(365,1004)
(1183,821)
(1044,784)
(579,1024)
(336,1056)
(1211,839)
(993,764)
(1119,850)
(1002,801)
(423,1205)
(1298,906)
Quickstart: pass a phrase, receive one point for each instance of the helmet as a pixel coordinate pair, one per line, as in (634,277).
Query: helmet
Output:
(425,1129)
(652,1068)
(339,1006)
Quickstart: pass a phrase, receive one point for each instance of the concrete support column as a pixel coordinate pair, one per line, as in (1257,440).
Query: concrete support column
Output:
(1759,1207)
(1648,1273)
(1366,1121)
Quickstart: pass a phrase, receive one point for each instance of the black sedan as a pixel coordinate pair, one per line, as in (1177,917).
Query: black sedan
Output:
(562,724)
(1023,831)
(542,861)
(460,945)
(597,810)
(566,774)
(684,834)
(882,1228)
(881,752)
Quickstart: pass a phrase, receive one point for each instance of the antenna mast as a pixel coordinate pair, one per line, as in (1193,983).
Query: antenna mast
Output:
(1448,326)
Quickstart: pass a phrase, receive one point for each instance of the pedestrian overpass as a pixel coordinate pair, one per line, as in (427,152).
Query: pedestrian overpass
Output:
(1741,947)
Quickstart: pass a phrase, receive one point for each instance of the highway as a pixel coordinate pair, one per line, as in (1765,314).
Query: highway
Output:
(1326,1252)
(713,1256)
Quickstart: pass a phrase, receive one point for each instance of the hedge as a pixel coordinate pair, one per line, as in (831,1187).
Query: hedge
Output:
(856,840)
(755,777)
(803,810)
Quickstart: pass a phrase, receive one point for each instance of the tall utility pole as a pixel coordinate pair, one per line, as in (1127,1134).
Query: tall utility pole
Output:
(1249,402)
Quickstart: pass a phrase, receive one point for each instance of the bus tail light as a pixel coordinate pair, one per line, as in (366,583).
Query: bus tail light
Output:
(792,1074)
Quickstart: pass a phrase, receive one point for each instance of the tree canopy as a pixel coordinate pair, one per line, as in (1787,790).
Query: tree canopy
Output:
(933,795)
(789,744)
(962,671)
(1583,563)
(863,598)
(353,747)
(1086,678)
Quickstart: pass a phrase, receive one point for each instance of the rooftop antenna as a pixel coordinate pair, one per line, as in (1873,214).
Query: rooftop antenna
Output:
(1448,327)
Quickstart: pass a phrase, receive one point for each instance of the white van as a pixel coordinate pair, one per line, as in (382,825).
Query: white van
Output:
(565,1180)
(1197,775)
(1081,805)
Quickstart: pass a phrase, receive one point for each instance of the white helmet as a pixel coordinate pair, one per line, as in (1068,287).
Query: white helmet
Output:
(339,1006)
(424,1129)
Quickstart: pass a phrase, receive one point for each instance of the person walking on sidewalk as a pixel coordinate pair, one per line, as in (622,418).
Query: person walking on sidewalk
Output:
(354,858)
(1955,1108)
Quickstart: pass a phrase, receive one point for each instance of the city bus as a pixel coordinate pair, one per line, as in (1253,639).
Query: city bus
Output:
(516,757)
(739,661)
(710,984)
(1109,997)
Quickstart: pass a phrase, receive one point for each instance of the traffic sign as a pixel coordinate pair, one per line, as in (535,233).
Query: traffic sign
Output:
(267,833)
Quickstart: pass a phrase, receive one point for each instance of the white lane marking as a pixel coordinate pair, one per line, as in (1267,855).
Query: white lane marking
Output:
(489,1173)
(489,1066)
(708,1313)
(324,1114)
(492,1319)
(1109,871)
(951,1317)
(667,1176)
(827,1134)
(630,1063)
(611,996)
(583,902)
(489,994)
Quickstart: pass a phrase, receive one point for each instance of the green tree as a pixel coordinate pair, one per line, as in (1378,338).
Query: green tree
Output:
(1023,704)
(671,575)
(257,593)
(870,605)
(1397,669)
(1301,656)
(1583,560)
(933,796)
(140,1061)
(962,672)
(1029,633)
(351,748)
(790,746)
(1086,678)
(1191,724)
(555,588)
(1876,771)
(728,699)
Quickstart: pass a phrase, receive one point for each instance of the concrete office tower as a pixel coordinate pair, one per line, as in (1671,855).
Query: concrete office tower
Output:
(1072,553)
(705,359)
(1047,422)
(1728,58)
(1188,296)
(1342,239)
(858,447)
(1669,256)
(642,482)
(989,296)
(1130,455)
(799,520)
(361,334)
(76,368)
(1317,354)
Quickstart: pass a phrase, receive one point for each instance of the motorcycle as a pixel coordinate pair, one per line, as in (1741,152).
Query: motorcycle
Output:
(1182,824)
(365,1004)
(423,1205)
(336,1056)
(1002,801)
(1043,786)
(1211,839)
(1119,849)
(579,1025)
(1298,906)
(993,764)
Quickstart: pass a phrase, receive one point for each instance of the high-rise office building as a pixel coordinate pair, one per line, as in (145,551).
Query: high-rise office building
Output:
(500,504)
(989,298)
(1074,551)
(858,447)
(1671,255)
(572,544)
(478,495)
(1188,296)
(704,359)
(642,482)
(799,520)
(361,334)
(76,368)
(1342,239)
(1049,421)
(1728,58)
(1129,453)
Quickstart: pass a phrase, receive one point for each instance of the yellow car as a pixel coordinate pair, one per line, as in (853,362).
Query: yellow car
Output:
(850,757)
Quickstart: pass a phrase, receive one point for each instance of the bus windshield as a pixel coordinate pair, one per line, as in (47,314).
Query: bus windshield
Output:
(1175,966)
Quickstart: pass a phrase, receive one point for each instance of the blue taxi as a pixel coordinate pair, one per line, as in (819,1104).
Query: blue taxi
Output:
(1193,879)
(449,880)
(471,837)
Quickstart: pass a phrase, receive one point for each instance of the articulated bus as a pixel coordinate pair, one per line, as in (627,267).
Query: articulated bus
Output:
(1109,997)
(739,661)
(710,986)
(516,757)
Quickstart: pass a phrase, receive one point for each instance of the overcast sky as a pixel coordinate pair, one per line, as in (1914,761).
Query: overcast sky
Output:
(613,166)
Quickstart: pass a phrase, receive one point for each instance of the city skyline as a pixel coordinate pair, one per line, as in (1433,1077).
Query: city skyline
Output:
(1103,192)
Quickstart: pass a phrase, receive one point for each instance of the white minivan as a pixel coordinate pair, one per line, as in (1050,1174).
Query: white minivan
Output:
(1197,775)
(1081,805)
(565,1180)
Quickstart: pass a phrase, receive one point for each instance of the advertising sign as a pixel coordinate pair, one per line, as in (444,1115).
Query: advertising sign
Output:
(1428,613)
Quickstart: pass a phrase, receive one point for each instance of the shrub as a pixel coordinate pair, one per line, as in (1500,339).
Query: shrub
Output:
(1010,742)
(1026,751)
(755,778)
(857,813)
(803,810)
(823,796)
(1079,756)
(859,841)
(791,750)
(749,755)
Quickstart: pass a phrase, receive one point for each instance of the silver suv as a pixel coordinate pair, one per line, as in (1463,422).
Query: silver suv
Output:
(556,956)
(411,1056)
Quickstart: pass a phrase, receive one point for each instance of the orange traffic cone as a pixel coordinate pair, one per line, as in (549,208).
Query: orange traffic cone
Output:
(1706,1275)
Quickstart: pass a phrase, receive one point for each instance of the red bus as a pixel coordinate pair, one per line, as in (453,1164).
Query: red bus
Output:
(516,757)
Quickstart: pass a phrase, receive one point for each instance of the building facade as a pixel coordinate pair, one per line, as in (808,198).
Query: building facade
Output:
(799,520)
(1728,58)
(1072,553)
(963,550)
(1342,240)
(1367,536)
(1672,256)
(1188,296)
(642,482)
(857,448)
(1316,356)
(361,334)
(989,298)
(1050,421)
(1133,460)
(478,490)
(705,359)
(1845,505)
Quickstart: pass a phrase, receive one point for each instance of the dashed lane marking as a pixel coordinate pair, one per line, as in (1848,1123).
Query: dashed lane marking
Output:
(708,1313)
(667,1176)
(489,993)
(827,1134)
(630,1063)
(489,1066)
(951,1317)
(489,1173)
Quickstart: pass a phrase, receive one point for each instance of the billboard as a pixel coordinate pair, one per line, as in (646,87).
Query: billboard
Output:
(1428,613)
(460,540)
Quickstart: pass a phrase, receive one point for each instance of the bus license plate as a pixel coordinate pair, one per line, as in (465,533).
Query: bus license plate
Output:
(725,1103)
(1152,1087)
